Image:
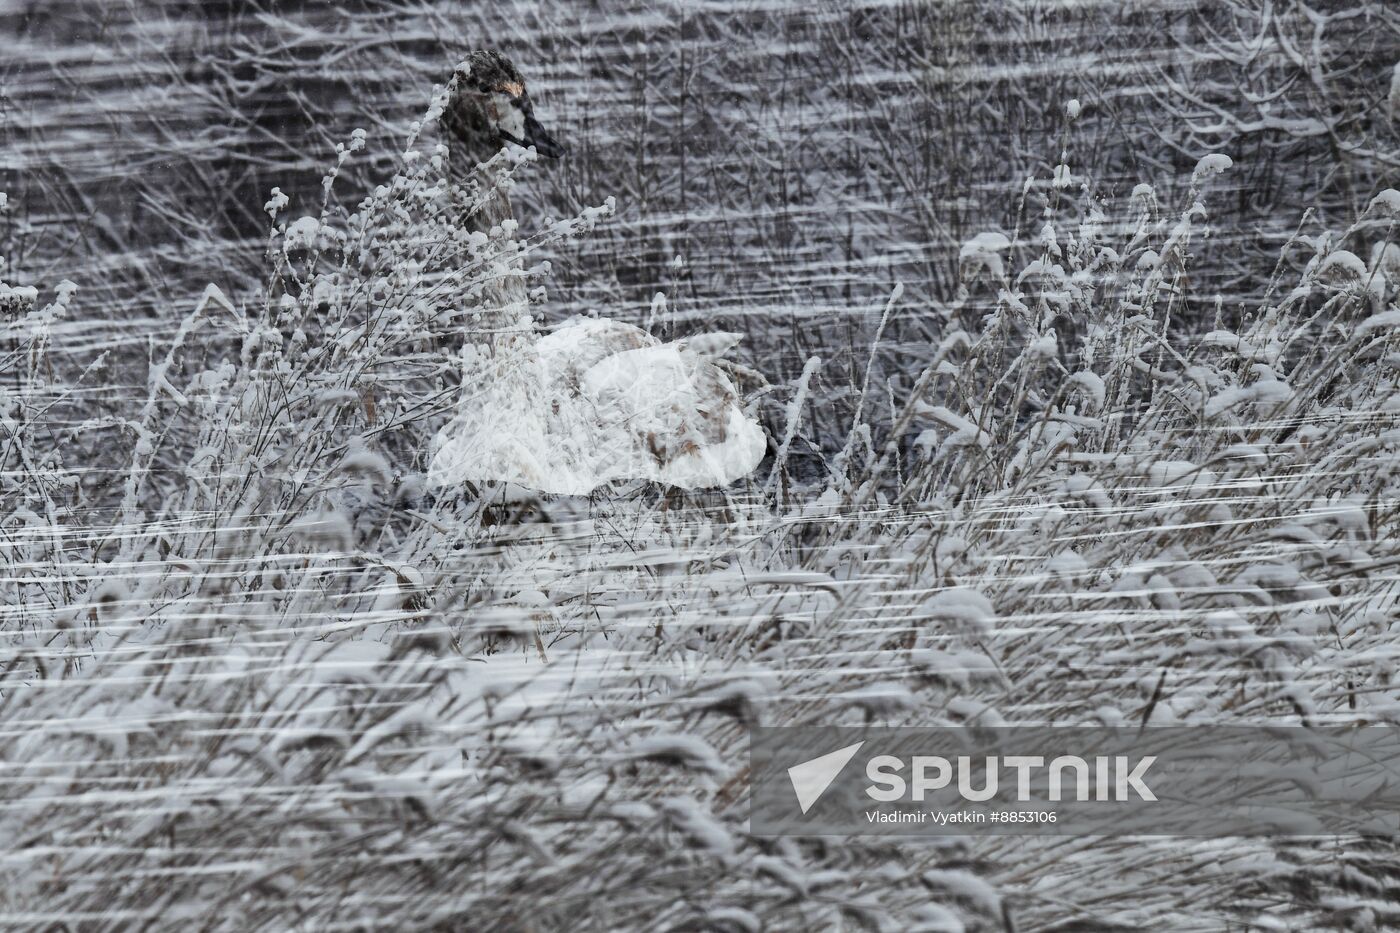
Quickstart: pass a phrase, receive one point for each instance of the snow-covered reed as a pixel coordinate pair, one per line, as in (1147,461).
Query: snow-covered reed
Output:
(255,676)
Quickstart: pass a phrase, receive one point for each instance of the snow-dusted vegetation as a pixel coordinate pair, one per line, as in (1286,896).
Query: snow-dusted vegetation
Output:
(1073,331)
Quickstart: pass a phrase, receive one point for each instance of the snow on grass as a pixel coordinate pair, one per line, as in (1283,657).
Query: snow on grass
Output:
(273,669)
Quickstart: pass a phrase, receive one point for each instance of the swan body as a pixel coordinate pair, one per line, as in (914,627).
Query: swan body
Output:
(612,403)
(595,400)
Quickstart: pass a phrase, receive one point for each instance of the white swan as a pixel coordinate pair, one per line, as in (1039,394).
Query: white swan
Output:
(596,400)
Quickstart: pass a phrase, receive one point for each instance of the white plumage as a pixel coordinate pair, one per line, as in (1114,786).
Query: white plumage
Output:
(599,400)
(596,400)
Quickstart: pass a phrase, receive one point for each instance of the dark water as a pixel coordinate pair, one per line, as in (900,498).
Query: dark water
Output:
(778,167)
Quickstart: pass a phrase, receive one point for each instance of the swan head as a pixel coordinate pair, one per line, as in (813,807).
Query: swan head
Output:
(488,106)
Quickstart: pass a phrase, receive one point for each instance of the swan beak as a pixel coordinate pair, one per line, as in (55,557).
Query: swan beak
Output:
(535,136)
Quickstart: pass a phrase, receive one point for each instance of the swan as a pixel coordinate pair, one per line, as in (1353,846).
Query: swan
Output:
(594,400)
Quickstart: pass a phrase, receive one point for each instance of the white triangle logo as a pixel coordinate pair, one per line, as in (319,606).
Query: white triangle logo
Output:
(811,778)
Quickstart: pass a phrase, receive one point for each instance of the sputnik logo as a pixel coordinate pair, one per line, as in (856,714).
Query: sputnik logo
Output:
(811,778)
